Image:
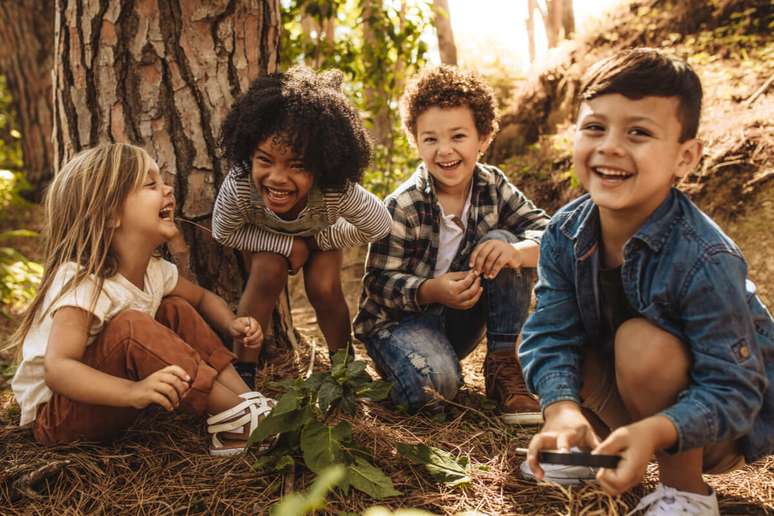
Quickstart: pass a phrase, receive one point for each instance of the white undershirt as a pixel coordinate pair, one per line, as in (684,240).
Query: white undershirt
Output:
(451,230)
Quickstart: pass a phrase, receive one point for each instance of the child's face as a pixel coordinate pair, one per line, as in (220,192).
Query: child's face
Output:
(280,177)
(627,152)
(448,143)
(148,214)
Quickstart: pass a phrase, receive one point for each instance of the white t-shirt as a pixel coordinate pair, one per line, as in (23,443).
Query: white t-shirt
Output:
(451,229)
(118,294)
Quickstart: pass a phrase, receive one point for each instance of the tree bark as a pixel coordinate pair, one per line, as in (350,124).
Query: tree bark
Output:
(162,74)
(552,19)
(381,125)
(26,60)
(531,6)
(568,19)
(442,20)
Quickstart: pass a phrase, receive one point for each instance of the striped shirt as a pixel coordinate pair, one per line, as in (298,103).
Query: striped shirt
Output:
(399,263)
(335,218)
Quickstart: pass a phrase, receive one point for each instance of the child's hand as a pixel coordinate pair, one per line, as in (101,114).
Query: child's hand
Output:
(565,427)
(299,254)
(165,387)
(490,257)
(247,331)
(458,290)
(635,444)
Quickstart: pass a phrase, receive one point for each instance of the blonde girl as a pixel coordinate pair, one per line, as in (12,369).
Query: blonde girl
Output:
(113,328)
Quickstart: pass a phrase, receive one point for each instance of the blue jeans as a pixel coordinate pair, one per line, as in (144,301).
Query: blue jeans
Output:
(423,351)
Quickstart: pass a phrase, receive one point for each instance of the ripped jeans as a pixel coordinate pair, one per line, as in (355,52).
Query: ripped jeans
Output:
(422,352)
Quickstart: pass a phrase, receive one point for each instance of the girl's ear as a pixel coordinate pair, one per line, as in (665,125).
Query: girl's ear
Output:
(114,222)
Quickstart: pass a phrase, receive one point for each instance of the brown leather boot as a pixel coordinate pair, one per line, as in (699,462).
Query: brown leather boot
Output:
(505,385)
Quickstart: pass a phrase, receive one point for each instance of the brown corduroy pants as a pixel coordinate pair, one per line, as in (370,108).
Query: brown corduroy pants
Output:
(133,345)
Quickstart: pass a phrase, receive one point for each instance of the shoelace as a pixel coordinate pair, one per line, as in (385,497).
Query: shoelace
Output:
(670,501)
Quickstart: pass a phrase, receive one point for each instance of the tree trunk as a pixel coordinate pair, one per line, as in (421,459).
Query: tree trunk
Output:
(531,6)
(381,125)
(442,20)
(568,19)
(26,59)
(552,19)
(162,74)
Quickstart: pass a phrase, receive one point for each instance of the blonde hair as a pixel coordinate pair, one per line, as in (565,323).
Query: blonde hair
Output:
(81,204)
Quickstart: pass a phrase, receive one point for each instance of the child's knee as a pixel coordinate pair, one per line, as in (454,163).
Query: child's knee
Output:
(420,380)
(175,307)
(324,292)
(645,354)
(268,271)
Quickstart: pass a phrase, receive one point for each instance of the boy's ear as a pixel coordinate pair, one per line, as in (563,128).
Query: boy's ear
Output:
(485,140)
(688,156)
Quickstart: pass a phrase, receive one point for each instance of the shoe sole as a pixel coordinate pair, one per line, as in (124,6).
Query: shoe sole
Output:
(523,418)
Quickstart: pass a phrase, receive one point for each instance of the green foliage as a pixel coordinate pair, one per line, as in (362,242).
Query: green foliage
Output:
(298,504)
(10,137)
(19,276)
(441,465)
(301,416)
(377,49)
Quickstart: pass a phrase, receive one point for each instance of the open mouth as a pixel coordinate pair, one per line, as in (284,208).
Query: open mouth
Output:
(277,195)
(449,164)
(167,213)
(612,174)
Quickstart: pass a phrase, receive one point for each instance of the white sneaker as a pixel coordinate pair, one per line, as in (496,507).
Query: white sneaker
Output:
(560,474)
(667,501)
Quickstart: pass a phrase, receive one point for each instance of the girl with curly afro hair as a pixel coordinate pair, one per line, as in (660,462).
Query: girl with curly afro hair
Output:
(291,200)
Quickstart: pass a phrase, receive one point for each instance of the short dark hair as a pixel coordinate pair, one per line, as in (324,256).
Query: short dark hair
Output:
(306,111)
(449,87)
(648,72)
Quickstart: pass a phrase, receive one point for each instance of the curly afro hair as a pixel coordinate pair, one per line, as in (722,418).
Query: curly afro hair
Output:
(306,111)
(449,87)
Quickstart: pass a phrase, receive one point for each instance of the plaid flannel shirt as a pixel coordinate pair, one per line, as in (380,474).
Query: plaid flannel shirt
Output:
(399,263)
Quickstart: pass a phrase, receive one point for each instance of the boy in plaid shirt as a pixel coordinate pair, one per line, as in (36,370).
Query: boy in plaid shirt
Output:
(459,259)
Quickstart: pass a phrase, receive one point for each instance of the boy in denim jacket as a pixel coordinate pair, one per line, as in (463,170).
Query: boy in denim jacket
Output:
(646,323)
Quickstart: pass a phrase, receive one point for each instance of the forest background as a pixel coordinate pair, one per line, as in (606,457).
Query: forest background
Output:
(378,44)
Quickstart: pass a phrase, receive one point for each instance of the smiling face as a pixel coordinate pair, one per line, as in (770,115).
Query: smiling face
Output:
(280,177)
(148,214)
(448,143)
(627,152)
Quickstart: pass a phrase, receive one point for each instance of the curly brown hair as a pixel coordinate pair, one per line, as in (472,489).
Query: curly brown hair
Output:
(306,111)
(449,87)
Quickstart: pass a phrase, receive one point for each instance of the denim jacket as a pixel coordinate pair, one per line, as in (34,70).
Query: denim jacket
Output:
(682,273)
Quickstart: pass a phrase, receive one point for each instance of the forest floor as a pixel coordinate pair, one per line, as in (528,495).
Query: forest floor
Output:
(161,465)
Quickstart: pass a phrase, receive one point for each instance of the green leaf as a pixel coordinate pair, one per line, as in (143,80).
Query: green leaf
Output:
(278,424)
(356,368)
(339,363)
(313,383)
(348,403)
(298,504)
(441,465)
(284,462)
(322,444)
(376,391)
(329,392)
(287,403)
(371,480)
(18,233)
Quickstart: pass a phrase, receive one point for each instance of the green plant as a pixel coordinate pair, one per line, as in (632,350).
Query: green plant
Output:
(298,504)
(302,421)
